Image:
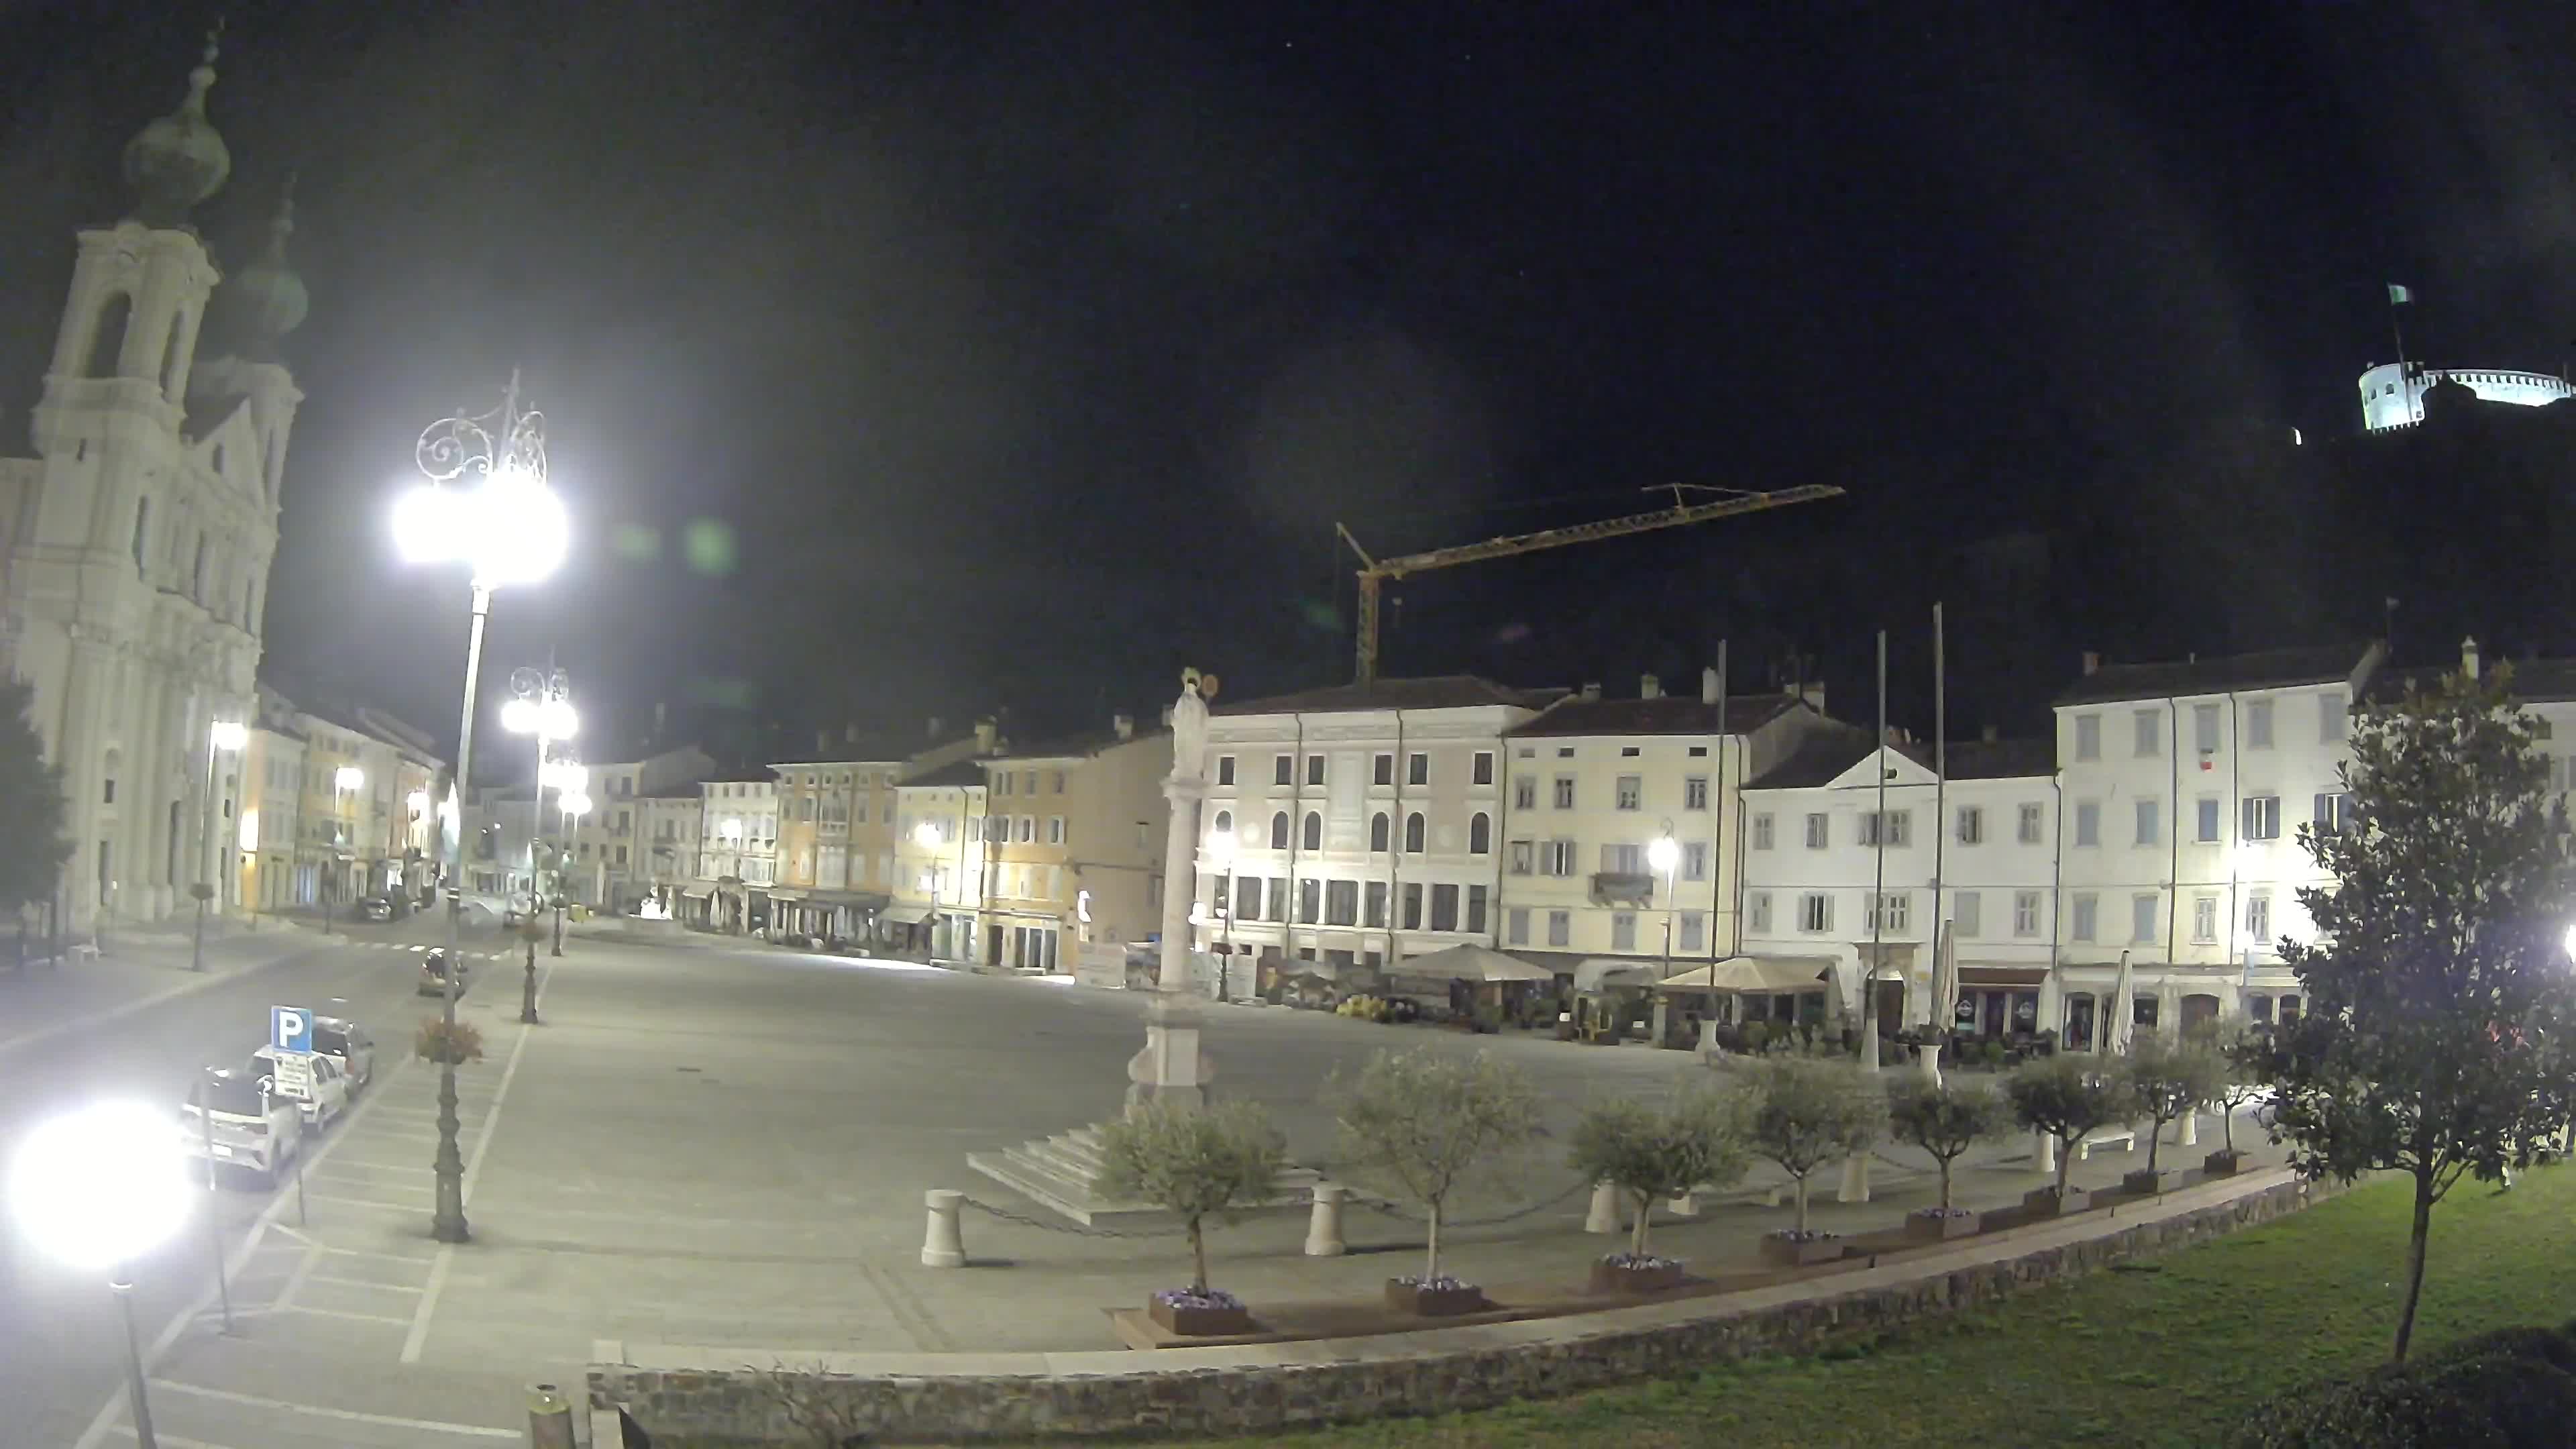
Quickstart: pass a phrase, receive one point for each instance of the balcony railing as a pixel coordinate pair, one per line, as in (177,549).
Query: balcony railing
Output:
(1623,887)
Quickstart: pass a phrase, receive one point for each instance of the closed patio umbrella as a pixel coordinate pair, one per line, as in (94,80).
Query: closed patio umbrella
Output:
(2115,1033)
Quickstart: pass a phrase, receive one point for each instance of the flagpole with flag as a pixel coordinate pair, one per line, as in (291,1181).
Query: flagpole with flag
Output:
(2399,296)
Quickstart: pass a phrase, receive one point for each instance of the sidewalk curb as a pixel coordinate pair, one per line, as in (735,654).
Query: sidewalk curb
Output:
(196,982)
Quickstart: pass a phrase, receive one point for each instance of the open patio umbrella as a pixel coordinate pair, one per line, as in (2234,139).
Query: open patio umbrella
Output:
(2115,1035)
(1475,963)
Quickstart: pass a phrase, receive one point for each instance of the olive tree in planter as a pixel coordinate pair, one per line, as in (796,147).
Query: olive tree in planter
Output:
(2065,1097)
(1944,1119)
(1804,1113)
(1199,1163)
(1426,1123)
(1697,1140)
(2166,1078)
(2239,1049)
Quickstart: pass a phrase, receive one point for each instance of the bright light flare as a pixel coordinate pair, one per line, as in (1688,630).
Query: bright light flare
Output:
(229,734)
(1663,853)
(926,833)
(1223,846)
(511,529)
(102,1185)
(349,777)
(574,803)
(2570,942)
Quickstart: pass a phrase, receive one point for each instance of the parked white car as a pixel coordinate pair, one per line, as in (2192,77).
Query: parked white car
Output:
(248,1128)
(326,1090)
(347,1043)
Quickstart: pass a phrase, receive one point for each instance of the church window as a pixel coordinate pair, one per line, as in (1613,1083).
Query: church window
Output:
(108,342)
(142,527)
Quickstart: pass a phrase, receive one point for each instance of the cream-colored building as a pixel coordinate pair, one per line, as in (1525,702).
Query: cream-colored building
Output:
(337,807)
(939,859)
(1074,845)
(737,853)
(1594,783)
(837,825)
(610,869)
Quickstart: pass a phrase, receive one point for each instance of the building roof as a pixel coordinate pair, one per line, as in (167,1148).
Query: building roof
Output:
(2269,669)
(954,773)
(872,750)
(1444,691)
(1075,747)
(2534,681)
(1823,759)
(741,777)
(1666,715)
(2000,759)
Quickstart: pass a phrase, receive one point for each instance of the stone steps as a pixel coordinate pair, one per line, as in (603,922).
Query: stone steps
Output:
(1062,1173)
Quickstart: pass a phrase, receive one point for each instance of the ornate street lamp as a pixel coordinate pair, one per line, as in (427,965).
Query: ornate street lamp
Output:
(540,705)
(486,505)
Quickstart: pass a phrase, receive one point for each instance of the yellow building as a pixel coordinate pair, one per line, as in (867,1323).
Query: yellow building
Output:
(1073,834)
(333,808)
(837,823)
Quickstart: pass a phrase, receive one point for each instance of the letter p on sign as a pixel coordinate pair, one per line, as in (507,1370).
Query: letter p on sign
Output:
(290,1028)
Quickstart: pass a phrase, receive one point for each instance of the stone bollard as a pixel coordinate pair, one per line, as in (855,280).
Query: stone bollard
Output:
(1604,1214)
(1928,1061)
(1685,1206)
(2190,1129)
(1324,1224)
(941,1244)
(549,1418)
(1855,1185)
(2044,1152)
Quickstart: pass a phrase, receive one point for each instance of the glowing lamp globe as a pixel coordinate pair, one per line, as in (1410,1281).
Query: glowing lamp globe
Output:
(102,1185)
(229,734)
(349,777)
(511,528)
(575,804)
(1663,853)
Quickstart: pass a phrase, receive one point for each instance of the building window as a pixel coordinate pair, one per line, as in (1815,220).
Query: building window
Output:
(2087,908)
(1628,752)
(2025,913)
(2331,717)
(1480,834)
(1972,825)
(2262,818)
(1417,770)
(2333,811)
(2088,822)
(1631,793)
(2207,812)
(2142,920)
(1313,836)
(1279,831)
(2258,725)
(1525,793)
(1413,905)
(1815,912)
(2088,737)
(1560,928)
(1002,783)
(1028,829)
(1623,859)
(1521,855)
(1225,769)
(1564,792)
(1375,904)
(1889,910)
(1623,930)
(2150,726)
(1384,770)
(1897,830)
(2204,919)
(1695,860)
(2150,821)
(1310,901)
(2028,830)
(1342,903)
(1695,792)
(1475,909)
(2204,728)
(1314,769)
(1819,833)
(1556,858)
(1516,926)
(1762,830)
(2258,919)
(1378,832)
(1224,822)
(1967,911)
(1757,912)
(1484,772)
(1413,833)
(1283,770)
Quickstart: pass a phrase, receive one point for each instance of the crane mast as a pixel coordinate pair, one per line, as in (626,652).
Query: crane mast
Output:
(1374,572)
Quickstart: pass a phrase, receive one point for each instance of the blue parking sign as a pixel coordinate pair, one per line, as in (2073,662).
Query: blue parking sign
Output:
(290,1028)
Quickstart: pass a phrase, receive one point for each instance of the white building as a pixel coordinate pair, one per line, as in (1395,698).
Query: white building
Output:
(609,870)
(939,858)
(737,852)
(1595,782)
(1367,819)
(668,824)
(2393,397)
(1830,883)
(138,539)
(2183,786)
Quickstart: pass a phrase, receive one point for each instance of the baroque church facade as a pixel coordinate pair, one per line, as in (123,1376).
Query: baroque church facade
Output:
(140,534)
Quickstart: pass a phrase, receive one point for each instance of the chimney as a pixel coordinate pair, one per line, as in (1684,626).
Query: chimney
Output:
(1708,685)
(987,732)
(850,733)
(1650,687)
(658,715)
(935,722)
(822,742)
(2469,656)
(1990,734)
(1592,691)
(2092,661)
(1124,725)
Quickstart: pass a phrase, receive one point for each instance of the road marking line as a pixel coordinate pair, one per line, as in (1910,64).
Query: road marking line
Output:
(347,1416)
(173,1440)
(361,1283)
(295,1281)
(418,1338)
(339,1313)
(368,1202)
(369,1162)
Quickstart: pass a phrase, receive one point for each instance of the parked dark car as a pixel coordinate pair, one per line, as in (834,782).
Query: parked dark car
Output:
(376,908)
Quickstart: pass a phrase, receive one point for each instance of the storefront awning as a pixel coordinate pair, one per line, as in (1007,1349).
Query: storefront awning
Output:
(855,900)
(1973,974)
(1754,973)
(905,915)
(1601,972)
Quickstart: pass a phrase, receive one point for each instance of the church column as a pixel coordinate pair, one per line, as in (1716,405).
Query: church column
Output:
(90,680)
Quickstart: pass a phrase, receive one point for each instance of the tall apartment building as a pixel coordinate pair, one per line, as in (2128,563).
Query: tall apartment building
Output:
(837,823)
(939,858)
(737,853)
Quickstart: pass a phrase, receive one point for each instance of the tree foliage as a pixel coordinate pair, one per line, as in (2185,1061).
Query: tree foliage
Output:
(1695,1140)
(2439,968)
(2168,1077)
(34,846)
(1945,1119)
(2067,1097)
(1425,1124)
(2240,1048)
(1808,1111)
(1196,1162)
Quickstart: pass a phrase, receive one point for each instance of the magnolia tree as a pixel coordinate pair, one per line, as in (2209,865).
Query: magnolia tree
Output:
(1696,1140)
(2067,1097)
(2167,1078)
(1427,1124)
(2439,968)
(1197,1162)
(1945,1120)
(1806,1112)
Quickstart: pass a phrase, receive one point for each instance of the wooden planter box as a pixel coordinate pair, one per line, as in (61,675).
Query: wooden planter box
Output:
(1609,1277)
(1928,1229)
(2043,1202)
(2145,1183)
(1800,1253)
(1406,1297)
(1194,1322)
(2222,1163)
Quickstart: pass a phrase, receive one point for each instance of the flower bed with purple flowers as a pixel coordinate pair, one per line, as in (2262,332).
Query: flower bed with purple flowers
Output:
(1192,1298)
(1940,1224)
(1434,1296)
(1635,1273)
(1800,1248)
(1189,1311)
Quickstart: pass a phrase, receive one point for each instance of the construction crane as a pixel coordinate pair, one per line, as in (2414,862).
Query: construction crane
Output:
(1374,572)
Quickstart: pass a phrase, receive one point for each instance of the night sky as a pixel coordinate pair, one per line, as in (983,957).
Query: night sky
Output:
(933,359)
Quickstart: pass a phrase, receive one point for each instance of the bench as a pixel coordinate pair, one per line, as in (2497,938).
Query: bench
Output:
(2127,1137)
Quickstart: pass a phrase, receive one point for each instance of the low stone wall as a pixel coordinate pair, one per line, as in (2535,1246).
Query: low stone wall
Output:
(713,1398)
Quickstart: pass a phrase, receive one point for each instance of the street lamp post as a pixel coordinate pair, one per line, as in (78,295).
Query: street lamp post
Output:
(1663,854)
(575,806)
(486,505)
(224,735)
(1221,848)
(347,780)
(98,1189)
(540,705)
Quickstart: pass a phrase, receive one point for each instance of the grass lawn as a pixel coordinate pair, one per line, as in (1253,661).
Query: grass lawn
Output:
(2169,1352)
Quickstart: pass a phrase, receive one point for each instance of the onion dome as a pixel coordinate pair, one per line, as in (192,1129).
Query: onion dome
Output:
(265,300)
(178,160)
